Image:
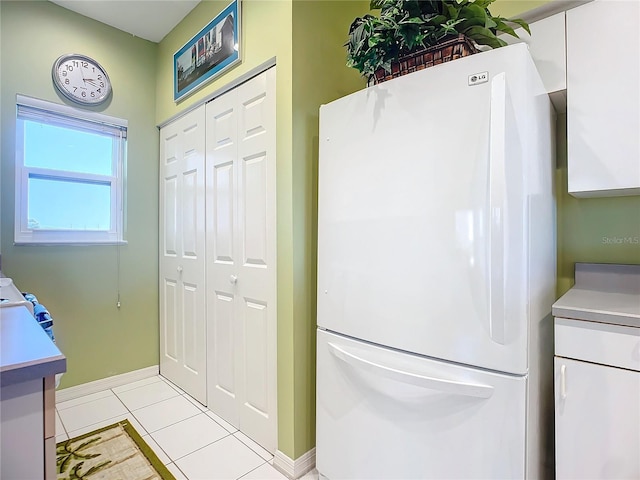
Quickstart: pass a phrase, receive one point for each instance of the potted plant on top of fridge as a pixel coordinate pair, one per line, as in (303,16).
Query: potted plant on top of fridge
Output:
(410,35)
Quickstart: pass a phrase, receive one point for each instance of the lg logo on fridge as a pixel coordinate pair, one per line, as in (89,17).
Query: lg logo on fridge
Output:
(478,78)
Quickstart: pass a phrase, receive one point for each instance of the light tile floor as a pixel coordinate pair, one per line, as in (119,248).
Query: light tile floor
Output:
(193,442)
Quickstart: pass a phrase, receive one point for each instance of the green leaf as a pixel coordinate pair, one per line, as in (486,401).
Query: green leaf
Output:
(522,23)
(503,27)
(484,36)
(413,20)
(473,16)
(489,23)
(483,3)
(452,11)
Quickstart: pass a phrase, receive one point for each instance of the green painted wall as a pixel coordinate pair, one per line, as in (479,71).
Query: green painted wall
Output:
(79,285)
(320,28)
(515,8)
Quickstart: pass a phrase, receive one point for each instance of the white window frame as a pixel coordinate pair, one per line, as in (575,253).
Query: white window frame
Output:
(63,115)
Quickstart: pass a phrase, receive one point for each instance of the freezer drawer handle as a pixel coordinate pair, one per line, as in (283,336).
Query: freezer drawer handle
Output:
(497,207)
(441,384)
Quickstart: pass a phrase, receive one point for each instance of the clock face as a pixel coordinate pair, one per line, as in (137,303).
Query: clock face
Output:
(81,79)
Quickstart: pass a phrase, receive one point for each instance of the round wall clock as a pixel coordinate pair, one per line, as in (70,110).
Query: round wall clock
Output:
(81,79)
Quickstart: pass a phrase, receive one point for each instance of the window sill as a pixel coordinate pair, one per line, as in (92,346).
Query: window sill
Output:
(77,244)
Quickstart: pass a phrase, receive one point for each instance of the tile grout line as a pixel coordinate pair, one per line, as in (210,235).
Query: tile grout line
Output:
(85,402)
(245,474)
(172,385)
(134,388)
(200,448)
(129,412)
(194,402)
(171,460)
(180,470)
(145,406)
(250,447)
(62,423)
(174,423)
(234,428)
(121,402)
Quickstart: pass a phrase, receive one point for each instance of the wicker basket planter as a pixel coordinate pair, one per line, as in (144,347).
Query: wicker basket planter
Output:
(457,47)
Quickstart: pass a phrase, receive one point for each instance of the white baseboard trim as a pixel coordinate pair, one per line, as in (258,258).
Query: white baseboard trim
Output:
(105,383)
(295,468)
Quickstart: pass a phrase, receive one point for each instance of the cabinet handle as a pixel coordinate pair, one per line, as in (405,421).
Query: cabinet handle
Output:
(563,382)
(233,279)
(179,269)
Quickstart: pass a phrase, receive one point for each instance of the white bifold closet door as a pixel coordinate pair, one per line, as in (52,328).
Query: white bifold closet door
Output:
(182,254)
(241,258)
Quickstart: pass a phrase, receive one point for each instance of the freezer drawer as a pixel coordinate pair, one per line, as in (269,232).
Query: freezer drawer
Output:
(384,414)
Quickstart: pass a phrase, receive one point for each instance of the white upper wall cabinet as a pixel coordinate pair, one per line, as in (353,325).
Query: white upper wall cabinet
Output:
(547,48)
(603,98)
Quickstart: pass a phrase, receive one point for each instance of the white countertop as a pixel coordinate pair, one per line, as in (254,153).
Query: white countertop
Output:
(603,293)
(26,351)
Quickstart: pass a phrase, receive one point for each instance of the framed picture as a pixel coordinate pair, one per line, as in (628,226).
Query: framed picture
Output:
(213,50)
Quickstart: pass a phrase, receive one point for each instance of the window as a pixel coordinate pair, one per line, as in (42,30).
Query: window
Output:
(69,174)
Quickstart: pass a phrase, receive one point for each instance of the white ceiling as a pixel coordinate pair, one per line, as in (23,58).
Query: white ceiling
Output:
(148,19)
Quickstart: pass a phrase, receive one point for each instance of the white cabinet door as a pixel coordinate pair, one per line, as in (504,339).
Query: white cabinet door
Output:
(182,254)
(603,98)
(241,268)
(597,421)
(384,414)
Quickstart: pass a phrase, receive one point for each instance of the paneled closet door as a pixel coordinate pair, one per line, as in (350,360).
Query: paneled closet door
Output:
(182,254)
(241,266)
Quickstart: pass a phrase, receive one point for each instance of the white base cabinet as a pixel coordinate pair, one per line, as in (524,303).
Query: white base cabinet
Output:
(29,361)
(597,374)
(597,421)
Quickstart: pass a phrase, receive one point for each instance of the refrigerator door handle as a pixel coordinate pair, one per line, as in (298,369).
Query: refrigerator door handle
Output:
(454,387)
(497,207)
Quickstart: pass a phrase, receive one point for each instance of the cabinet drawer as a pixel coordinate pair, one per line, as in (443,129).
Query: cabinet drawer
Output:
(384,414)
(614,345)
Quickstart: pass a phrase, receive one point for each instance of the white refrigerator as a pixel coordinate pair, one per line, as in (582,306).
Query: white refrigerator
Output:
(436,275)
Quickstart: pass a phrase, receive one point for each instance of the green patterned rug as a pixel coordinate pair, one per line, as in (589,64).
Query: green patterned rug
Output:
(113,452)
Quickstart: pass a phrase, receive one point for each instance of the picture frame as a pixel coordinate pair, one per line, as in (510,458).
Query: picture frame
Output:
(212,51)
